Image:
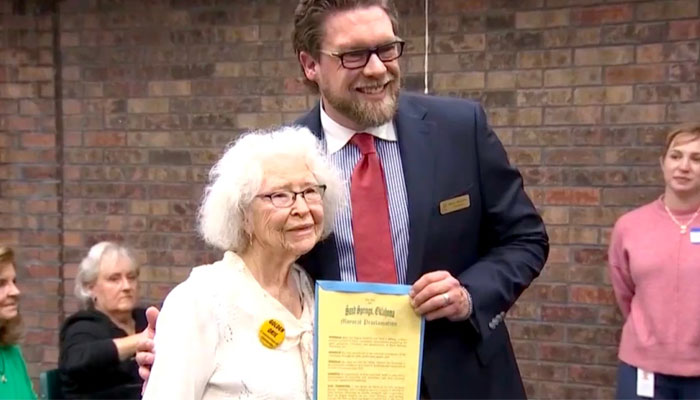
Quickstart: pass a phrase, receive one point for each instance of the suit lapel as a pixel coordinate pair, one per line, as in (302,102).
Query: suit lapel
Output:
(312,120)
(322,261)
(418,162)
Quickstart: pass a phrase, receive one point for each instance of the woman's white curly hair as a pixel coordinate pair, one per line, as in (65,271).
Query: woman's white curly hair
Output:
(235,180)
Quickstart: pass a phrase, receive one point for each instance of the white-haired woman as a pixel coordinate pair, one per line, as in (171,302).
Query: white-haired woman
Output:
(98,343)
(242,327)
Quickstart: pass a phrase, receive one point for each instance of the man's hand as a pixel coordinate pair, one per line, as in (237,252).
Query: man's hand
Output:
(438,294)
(145,354)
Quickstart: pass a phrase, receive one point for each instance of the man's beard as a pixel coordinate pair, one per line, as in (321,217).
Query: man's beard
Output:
(366,114)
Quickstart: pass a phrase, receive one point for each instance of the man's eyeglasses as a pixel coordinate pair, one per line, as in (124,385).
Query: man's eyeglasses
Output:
(355,59)
(285,198)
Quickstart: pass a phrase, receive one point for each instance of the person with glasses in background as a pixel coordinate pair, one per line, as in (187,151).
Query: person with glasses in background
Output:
(434,201)
(242,327)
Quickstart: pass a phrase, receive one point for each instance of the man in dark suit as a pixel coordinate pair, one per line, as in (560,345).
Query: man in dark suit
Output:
(459,227)
(475,240)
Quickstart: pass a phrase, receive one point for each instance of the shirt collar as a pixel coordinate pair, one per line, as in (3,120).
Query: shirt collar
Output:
(337,136)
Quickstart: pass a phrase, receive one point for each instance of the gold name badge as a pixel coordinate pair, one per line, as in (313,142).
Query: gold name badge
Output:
(454,204)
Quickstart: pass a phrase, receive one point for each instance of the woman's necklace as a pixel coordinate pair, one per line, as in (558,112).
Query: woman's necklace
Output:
(684,227)
(3,379)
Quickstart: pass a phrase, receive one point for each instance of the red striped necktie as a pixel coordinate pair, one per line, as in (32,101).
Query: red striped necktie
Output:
(374,250)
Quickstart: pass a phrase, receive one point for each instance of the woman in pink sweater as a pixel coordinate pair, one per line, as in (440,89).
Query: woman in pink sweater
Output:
(655,271)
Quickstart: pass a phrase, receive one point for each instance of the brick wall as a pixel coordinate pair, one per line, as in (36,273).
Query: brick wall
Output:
(30,218)
(580,91)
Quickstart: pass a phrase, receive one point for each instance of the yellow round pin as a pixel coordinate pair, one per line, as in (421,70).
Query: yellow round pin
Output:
(271,333)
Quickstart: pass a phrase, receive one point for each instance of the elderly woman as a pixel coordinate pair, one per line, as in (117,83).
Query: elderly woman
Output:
(242,327)
(14,380)
(655,273)
(97,344)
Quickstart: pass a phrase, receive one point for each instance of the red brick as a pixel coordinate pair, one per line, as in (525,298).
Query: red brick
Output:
(459,43)
(541,19)
(683,112)
(10,238)
(554,215)
(169,88)
(590,256)
(447,7)
(616,75)
(524,310)
(664,52)
(572,157)
(592,295)
(670,9)
(573,76)
(573,115)
(593,335)
(42,239)
(21,123)
(36,107)
(555,293)
(38,140)
(685,29)
(8,107)
(632,156)
(17,90)
(458,80)
(541,97)
(635,114)
(629,196)
(572,196)
(544,58)
(592,374)
(566,37)
(536,331)
(665,93)
(603,14)
(37,172)
(566,353)
(568,313)
(549,390)
(515,116)
(104,139)
(33,74)
(604,55)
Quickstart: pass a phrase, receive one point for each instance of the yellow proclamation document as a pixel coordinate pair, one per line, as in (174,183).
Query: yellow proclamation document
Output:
(368,342)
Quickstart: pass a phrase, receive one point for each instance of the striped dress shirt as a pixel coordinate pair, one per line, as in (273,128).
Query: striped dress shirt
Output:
(344,156)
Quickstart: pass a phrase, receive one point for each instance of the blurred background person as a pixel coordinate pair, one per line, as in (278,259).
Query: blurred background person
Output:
(271,198)
(14,380)
(654,260)
(97,344)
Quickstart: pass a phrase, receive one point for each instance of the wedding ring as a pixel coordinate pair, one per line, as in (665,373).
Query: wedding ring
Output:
(446,296)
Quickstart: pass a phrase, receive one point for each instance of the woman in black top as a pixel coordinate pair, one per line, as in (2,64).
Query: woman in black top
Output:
(97,345)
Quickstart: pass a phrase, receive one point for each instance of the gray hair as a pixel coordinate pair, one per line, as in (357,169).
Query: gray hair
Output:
(89,268)
(236,179)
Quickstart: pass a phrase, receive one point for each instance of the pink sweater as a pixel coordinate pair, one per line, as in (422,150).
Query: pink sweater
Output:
(655,272)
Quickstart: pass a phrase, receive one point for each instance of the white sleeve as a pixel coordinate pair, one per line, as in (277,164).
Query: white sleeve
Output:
(185,346)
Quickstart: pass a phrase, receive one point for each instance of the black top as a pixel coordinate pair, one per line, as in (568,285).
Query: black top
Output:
(89,362)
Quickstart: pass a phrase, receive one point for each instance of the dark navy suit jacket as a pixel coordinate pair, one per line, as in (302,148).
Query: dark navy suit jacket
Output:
(495,247)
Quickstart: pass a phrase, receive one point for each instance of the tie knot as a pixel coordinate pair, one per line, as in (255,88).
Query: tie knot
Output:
(364,142)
